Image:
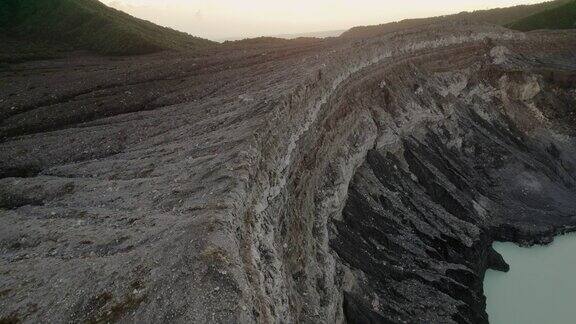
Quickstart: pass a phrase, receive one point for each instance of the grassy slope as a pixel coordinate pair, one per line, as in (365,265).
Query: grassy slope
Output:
(45,25)
(563,17)
(499,16)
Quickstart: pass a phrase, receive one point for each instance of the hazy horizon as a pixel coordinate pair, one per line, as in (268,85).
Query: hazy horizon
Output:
(232,19)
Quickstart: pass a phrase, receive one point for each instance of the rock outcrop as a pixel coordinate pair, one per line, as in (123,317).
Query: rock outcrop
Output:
(309,181)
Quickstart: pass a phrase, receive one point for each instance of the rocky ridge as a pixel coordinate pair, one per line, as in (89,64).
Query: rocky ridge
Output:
(326,181)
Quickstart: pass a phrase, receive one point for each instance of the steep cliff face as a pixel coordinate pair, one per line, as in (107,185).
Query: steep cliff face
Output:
(332,181)
(468,156)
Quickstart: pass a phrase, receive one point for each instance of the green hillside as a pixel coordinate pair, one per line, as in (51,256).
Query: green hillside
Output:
(563,17)
(498,16)
(51,25)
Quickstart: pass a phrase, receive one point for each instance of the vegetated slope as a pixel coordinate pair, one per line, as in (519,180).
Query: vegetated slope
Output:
(41,26)
(498,16)
(563,17)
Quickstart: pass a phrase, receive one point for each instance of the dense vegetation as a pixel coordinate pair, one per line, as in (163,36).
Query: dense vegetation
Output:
(47,25)
(563,17)
(498,16)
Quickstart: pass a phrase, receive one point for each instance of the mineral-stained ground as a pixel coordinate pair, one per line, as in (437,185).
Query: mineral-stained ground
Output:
(336,180)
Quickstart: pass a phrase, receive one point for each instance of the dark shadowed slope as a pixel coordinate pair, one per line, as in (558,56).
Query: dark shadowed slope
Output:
(498,16)
(563,17)
(43,27)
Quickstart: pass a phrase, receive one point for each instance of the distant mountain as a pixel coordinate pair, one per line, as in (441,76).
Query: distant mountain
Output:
(563,17)
(498,16)
(52,25)
(322,34)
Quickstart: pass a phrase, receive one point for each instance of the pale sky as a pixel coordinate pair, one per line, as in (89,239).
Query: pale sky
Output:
(221,19)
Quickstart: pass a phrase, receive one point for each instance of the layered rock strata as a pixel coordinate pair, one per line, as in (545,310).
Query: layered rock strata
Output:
(310,181)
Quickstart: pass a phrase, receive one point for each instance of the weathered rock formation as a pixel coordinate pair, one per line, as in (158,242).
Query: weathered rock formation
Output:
(309,181)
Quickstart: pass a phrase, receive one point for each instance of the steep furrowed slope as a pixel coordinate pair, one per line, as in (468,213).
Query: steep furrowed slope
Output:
(498,16)
(343,180)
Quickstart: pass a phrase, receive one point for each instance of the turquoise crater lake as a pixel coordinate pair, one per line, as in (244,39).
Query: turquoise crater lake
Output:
(540,287)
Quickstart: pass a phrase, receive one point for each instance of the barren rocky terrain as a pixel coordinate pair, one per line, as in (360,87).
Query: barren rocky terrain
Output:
(338,180)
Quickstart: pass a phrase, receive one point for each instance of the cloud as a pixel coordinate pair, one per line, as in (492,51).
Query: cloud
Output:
(199,15)
(218,19)
(118,4)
